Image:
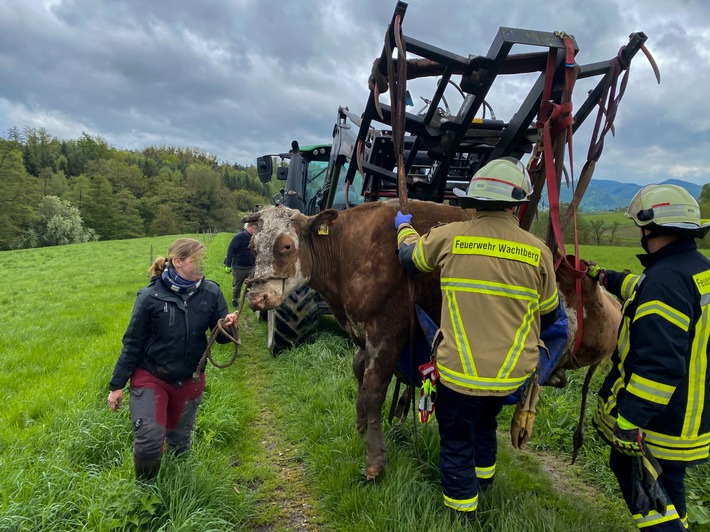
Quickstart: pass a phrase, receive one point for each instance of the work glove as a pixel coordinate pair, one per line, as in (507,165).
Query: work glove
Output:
(228,269)
(595,271)
(402,219)
(646,492)
(628,438)
(521,426)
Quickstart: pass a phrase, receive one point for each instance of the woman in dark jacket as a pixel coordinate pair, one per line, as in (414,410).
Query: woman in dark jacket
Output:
(165,338)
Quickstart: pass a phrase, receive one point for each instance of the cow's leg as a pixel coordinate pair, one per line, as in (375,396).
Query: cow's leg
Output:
(359,370)
(376,379)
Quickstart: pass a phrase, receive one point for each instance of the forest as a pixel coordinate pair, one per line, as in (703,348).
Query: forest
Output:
(55,192)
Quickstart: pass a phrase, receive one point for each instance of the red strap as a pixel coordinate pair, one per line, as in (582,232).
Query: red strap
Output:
(552,119)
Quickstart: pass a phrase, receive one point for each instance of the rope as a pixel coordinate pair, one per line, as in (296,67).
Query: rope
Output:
(232,332)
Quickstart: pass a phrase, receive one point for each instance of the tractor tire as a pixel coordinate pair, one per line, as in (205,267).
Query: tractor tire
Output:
(295,322)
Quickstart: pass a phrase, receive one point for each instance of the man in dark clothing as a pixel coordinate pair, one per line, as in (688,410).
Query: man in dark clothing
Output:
(654,408)
(240,261)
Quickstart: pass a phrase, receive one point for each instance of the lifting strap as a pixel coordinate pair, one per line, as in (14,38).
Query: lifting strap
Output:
(555,121)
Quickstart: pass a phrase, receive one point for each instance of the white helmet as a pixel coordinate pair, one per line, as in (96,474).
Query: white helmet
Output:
(503,180)
(668,206)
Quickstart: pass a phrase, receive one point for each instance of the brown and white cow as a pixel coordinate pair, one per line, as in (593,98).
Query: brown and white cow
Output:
(350,258)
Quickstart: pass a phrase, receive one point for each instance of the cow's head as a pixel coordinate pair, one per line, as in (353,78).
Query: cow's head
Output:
(280,246)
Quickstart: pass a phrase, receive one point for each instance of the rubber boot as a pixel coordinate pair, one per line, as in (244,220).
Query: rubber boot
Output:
(146,470)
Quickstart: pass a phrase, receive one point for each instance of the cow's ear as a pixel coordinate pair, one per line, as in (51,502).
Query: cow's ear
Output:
(320,223)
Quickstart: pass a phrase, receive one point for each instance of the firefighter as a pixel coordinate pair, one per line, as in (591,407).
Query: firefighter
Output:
(499,291)
(653,406)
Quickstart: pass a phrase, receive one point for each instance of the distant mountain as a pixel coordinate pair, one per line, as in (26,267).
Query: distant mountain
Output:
(607,195)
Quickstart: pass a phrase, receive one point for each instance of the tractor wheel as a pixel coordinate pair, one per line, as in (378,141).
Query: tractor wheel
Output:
(295,322)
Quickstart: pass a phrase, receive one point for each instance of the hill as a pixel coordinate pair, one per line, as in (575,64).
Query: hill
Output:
(608,195)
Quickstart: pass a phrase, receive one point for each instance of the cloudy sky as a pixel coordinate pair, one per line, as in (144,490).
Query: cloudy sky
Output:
(241,78)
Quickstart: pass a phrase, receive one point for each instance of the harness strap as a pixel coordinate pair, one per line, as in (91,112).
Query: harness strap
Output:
(556,120)
(397,77)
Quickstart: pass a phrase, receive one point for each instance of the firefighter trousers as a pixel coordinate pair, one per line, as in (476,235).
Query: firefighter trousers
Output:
(467,432)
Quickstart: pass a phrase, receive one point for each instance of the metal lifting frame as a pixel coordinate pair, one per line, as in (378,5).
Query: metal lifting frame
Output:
(443,141)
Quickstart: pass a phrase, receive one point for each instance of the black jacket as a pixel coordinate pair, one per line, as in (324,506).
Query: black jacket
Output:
(660,371)
(238,253)
(166,334)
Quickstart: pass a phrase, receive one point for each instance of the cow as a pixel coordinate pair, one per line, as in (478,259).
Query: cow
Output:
(350,258)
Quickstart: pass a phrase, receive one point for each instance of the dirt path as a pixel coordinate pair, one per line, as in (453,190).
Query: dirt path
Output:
(287,495)
(294,500)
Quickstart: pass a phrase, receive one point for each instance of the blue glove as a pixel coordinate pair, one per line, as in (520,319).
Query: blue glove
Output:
(402,219)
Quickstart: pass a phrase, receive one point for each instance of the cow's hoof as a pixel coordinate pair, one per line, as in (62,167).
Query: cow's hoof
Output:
(557,379)
(372,472)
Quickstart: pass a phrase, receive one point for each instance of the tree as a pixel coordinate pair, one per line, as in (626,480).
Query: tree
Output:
(207,198)
(612,232)
(165,222)
(59,224)
(597,230)
(704,194)
(19,193)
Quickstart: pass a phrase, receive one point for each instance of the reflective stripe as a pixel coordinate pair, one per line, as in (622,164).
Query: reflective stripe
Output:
(511,359)
(628,285)
(684,520)
(481,383)
(485,472)
(489,287)
(419,260)
(680,455)
(697,375)
(550,303)
(665,311)
(655,518)
(462,345)
(404,233)
(662,446)
(450,285)
(653,391)
(462,505)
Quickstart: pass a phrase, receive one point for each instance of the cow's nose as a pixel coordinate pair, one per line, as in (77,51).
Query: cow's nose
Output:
(257,301)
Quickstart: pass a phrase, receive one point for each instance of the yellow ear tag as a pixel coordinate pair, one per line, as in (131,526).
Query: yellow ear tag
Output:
(323,229)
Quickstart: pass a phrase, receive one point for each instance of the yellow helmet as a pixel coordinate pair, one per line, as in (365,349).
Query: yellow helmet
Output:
(503,180)
(668,206)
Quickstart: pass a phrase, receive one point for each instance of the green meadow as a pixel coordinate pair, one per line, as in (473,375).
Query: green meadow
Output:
(275,447)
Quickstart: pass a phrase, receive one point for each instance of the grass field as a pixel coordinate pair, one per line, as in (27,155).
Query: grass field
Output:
(275,446)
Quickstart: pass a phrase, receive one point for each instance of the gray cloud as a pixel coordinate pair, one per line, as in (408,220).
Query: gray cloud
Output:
(241,78)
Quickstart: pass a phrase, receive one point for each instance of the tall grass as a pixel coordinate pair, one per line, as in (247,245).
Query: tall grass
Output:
(275,446)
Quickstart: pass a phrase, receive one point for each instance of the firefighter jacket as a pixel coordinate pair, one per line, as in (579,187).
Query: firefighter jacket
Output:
(660,367)
(496,281)
(166,334)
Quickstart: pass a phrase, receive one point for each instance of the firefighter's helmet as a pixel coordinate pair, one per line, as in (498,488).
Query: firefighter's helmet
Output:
(669,207)
(503,180)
